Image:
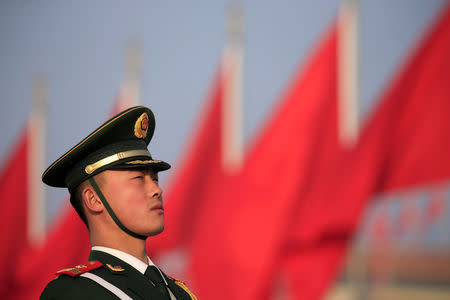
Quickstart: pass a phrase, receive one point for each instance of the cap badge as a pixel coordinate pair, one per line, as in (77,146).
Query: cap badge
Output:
(141,126)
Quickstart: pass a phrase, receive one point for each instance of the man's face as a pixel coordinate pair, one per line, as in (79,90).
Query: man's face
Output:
(136,199)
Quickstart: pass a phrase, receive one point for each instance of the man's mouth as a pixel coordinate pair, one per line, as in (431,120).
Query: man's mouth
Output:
(157,207)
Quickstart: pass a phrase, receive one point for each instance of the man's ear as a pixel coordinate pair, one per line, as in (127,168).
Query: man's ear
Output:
(90,199)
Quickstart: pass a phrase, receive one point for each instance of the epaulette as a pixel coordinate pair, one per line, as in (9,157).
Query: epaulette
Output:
(80,269)
(182,285)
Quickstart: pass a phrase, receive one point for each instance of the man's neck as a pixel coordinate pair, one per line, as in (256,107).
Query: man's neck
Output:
(128,244)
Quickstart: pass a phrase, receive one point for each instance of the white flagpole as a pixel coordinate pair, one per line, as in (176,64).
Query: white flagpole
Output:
(130,90)
(348,72)
(36,159)
(348,97)
(232,104)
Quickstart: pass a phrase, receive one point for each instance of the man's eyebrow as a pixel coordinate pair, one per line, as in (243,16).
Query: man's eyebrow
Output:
(146,170)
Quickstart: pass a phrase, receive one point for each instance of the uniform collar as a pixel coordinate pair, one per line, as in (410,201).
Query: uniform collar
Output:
(129,259)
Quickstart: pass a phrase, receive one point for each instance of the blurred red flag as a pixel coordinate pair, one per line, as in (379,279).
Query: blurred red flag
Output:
(416,110)
(189,194)
(404,144)
(13,213)
(67,245)
(236,252)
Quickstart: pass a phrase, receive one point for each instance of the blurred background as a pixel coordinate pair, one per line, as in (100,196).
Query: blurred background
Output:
(68,66)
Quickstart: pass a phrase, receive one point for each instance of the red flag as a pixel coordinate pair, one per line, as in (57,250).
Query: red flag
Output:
(310,268)
(326,152)
(419,98)
(67,245)
(13,212)
(188,195)
(241,235)
(404,144)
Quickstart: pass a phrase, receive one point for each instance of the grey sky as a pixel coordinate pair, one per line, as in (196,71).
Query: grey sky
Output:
(79,45)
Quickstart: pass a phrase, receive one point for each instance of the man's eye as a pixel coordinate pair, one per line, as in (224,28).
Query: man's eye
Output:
(139,177)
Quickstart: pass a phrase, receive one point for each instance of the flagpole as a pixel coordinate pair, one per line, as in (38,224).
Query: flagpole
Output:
(232,104)
(348,71)
(36,157)
(348,123)
(133,68)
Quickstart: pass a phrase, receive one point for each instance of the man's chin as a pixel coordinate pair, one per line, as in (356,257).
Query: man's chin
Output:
(156,231)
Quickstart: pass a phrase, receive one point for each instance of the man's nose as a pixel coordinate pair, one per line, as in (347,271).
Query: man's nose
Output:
(153,188)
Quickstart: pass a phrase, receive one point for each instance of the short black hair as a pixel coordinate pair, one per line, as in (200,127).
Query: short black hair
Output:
(76,201)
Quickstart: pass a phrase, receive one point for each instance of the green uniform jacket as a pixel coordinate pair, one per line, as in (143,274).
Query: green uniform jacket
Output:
(130,281)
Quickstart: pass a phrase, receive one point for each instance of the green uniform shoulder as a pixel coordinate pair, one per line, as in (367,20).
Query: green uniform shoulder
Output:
(70,285)
(71,288)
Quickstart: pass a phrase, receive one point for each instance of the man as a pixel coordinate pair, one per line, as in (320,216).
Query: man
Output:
(113,183)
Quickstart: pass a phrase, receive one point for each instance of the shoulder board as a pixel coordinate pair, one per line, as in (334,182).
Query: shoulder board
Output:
(182,285)
(174,279)
(80,269)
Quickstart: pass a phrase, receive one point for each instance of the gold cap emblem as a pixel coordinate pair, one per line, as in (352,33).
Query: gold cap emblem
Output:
(141,126)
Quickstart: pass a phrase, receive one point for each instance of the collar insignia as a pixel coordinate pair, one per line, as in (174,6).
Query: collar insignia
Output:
(115,268)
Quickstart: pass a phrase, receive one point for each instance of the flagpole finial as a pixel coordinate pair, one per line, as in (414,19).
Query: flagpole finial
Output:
(39,92)
(234,23)
(133,59)
(130,94)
